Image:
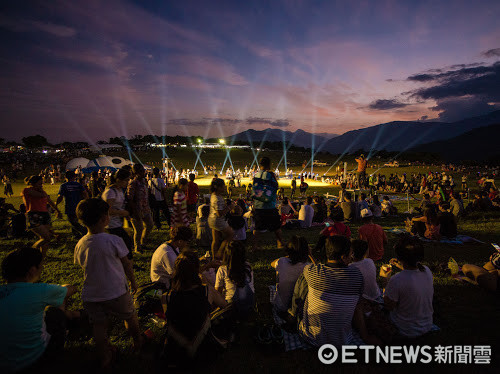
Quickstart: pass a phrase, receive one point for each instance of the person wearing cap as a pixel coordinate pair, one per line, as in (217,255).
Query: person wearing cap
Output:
(373,234)
(361,174)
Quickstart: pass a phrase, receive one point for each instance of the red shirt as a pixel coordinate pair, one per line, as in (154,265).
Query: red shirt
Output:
(338,228)
(192,193)
(34,204)
(375,236)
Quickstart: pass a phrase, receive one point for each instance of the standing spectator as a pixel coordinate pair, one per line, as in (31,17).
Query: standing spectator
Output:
(193,193)
(361,174)
(36,201)
(266,215)
(106,268)
(96,184)
(179,216)
(294,187)
(373,234)
(138,206)
(72,192)
(30,332)
(216,220)
(158,190)
(115,198)
(7,191)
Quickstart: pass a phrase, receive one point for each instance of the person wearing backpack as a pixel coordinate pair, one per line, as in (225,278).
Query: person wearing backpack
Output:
(234,279)
(266,216)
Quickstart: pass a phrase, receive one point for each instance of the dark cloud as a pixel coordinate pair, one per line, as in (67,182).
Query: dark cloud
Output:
(491,53)
(268,121)
(456,109)
(386,104)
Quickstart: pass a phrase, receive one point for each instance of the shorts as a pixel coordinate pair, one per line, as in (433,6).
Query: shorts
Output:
(36,219)
(217,223)
(191,208)
(121,307)
(267,219)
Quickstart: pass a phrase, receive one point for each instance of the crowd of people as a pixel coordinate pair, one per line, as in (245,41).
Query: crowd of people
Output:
(326,292)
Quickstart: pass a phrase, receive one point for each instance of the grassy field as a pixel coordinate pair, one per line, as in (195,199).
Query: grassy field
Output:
(465,313)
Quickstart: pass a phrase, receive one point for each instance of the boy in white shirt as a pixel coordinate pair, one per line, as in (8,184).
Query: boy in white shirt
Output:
(371,290)
(106,267)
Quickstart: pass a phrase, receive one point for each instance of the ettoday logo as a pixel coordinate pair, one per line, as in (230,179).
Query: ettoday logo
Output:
(329,354)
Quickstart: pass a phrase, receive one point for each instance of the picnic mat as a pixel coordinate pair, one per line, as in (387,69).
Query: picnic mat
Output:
(459,239)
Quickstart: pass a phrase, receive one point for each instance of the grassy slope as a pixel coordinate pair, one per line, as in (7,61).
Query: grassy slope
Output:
(465,313)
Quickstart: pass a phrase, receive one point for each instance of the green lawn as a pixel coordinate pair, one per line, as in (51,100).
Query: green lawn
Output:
(465,313)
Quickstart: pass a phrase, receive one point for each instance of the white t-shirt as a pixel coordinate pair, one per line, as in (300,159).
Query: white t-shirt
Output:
(119,204)
(371,290)
(412,290)
(222,280)
(163,263)
(160,184)
(286,277)
(306,214)
(99,255)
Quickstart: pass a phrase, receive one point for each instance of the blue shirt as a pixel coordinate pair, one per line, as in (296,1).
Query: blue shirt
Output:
(72,193)
(22,324)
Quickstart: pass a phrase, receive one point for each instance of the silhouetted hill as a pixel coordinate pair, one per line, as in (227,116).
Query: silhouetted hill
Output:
(481,144)
(403,135)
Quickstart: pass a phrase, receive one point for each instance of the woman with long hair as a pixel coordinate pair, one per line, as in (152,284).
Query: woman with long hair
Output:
(36,200)
(234,278)
(431,221)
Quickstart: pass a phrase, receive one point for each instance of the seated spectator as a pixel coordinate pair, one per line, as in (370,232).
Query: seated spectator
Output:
(376,207)
(206,202)
(331,229)
(238,223)
(373,234)
(387,207)
(288,270)
(234,278)
(362,203)
(424,203)
(18,223)
(429,224)
(203,231)
(306,214)
(493,193)
(371,290)
(188,313)
(330,293)
(106,268)
(286,210)
(348,207)
(408,294)
(488,276)
(456,205)
(447,221)
(29,333)
(320,209)
(163,260)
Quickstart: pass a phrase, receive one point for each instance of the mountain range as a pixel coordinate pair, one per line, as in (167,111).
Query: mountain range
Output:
(299,138)
(480,144)
(403,135)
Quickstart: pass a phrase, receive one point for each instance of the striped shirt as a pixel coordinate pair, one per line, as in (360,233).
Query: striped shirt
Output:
(333,293)
(179,216)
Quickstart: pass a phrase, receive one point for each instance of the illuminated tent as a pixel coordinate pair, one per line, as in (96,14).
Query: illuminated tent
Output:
(76,162)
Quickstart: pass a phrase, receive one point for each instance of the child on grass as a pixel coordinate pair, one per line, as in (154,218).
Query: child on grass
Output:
(106,267)
(30,332)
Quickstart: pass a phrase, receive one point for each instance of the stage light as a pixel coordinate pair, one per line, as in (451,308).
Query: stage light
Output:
(199,141)
(222,141)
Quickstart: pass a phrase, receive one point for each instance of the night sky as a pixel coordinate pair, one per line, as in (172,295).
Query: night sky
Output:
(90,69)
